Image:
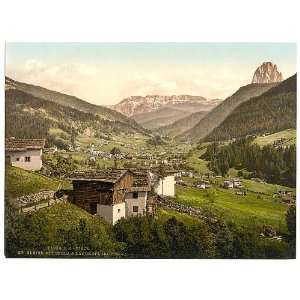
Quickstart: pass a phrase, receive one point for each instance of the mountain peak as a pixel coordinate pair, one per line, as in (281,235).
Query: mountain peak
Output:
(135,105)
(267,73)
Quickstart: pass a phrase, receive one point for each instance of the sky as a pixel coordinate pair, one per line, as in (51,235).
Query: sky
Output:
(106,73)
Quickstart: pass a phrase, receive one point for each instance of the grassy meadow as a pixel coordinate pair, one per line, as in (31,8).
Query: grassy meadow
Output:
(249,210)
(289,136)
(19,182)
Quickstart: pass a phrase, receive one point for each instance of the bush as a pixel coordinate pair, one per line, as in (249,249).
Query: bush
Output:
(146,237)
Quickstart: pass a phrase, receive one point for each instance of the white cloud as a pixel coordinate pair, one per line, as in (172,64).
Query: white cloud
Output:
(109,84)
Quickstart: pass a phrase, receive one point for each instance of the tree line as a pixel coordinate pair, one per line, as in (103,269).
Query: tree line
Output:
(274,164)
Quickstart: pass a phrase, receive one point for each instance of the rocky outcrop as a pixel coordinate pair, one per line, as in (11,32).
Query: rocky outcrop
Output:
(267,73)
(135,105)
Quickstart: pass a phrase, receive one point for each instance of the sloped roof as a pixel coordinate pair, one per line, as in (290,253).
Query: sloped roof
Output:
(141,182)
(13,144)
(111,176)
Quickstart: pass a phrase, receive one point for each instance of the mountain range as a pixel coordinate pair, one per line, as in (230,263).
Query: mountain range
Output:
(136,105)
(154,111)
(251,109)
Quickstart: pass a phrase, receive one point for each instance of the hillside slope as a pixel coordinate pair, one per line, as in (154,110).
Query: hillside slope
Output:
(32,117)
(69,101)
(20,182)
(217,115)
(273,111)
(161,117)
(182,124)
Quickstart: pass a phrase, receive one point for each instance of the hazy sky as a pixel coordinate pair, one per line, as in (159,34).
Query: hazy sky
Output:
(105,73)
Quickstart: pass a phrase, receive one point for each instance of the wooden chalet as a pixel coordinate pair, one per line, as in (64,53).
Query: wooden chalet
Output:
(112,194)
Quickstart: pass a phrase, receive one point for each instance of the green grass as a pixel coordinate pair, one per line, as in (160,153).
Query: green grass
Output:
(19,182)
(288,134)
(44,226)
(265,188)
(66,215)
(126,143)
(166,214)
(60,134)
(199,165)
(249,210)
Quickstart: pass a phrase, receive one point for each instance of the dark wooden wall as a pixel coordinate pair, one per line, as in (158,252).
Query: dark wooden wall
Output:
(121,187)
(88,193)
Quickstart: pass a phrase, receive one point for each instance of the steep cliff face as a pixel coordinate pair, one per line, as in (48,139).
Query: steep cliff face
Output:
(136,105)
(267,73)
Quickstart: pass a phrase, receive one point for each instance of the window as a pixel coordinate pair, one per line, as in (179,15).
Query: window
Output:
(27,158)
(135,208)
(17,158)
(119,210)
(135,195)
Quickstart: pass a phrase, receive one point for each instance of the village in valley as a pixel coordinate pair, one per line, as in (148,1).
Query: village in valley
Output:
(83,183)
(149,181)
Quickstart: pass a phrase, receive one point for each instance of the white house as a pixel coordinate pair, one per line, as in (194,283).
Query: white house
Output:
(165,186)
(228,184)
(237,183)
(24,153)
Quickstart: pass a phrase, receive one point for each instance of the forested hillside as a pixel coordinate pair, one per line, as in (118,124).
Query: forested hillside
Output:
(275,165)
(69,101)
(161,117)
(32,117)
(217,115)
(273,111)
(182,124)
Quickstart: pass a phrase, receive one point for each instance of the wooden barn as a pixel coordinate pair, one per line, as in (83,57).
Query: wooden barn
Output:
(111,194)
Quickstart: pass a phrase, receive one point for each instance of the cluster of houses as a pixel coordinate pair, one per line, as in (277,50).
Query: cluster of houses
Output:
(120,193)
(232,183)
(112,194)
(116,193)
(287,196)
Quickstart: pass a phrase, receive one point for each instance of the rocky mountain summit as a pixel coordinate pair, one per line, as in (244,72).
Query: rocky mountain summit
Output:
(135,105)
(267,73)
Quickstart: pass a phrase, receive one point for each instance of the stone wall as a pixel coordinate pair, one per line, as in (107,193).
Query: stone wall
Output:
(34,198)
(192,211)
